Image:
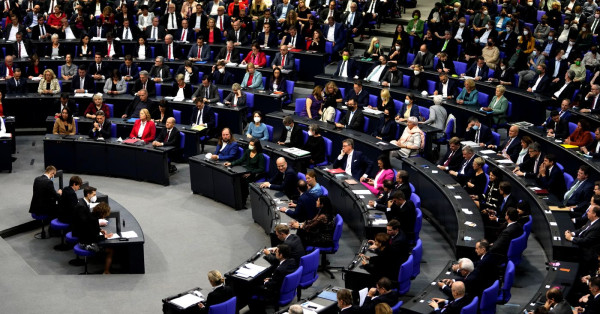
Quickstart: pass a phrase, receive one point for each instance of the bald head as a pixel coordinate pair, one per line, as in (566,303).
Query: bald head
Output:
(458,289)
(281,164)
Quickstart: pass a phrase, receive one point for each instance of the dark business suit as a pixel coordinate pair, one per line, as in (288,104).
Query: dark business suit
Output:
(358,120)
(242,36)
(455,162)
(204,52)
(351,68)
(189,35)
(390,298)
(465,171)
(543,85)
(132,71)
(26,47)
(483,72)
(587,238)
(582,194)
(207,116)
(104,132)
(234,57)
(70,104)
(160,32)
(187,90)
(224,78)
(66,205)
(104,69)
(288,62)
(362,97)
(271,42)
(393,77)
(219,295)
(453,306)
(386,129)
(150,87)
(513,149)
(296,139)
(162,72)
(500,246)
(8,29)
(299,44)
(554,182)
(173,140)
(36,32)
(273,286)
(485,135)
(12,88)
(213,93)
(295,244)
(360,164)
(407,214)
(85,225)
(285,182)
(531,166)
(175,51)
(451,90)
(43,201)
(306,208)
(426,61)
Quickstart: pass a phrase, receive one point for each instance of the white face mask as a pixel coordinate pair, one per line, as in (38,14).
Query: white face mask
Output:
(487,26)
(256,119)
(222,70)
(508,29)
(485,12)
(397,47)
(529,3)
(461,24)
(525,33)
(456,9)
(502,68)
(566,26)
(583,29)
(571,43)
(534,53)
(93,199)
(310,133)
(417,72)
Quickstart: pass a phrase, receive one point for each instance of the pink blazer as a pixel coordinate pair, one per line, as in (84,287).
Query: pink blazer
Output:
(386,174)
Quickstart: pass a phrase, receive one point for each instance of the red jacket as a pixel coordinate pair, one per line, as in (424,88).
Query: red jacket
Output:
(149,131)
(261,59)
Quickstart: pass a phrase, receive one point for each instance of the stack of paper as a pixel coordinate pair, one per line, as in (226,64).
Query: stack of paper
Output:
(470,143)
(186,301)
(129,234)
(249,270)
(296,151)
(83,95)
(487,151)
(361,192)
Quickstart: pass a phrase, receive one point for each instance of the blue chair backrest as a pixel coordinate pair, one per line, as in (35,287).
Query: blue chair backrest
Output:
(177,115)
(424,112)
(267,163)
(200,75)
(412,187)
(496,137)
(405,83)
(249,100)
(227,307)
(471,308)
(488,299)
(487,181)
(430,87)
(328,148)
(397,105)
(568,180)
(181,139)
(301,176)
(372,100)
(289,86)
(325,191)
(418,221)
(572,127)
(288,288)
(270,130)
(410,57)
(509,109)
(527,226)
(220,91)
(300,108)
(417,253)
(482,99)
(304,136)
(366,126)
(416,200)
(509,280)
(216,120)
(113,130)
(328,47)
(240,152)
(406,270)
(264,79)
(491,73)
(158,87)
(112,110)
(338,115)
(540,14)
(396,308)
(268,61)
(310,265)
(297,64)
(342,90)
(486,168)
(460,67)
(516,248)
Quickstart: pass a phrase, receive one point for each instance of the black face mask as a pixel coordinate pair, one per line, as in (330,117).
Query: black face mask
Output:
(490,43)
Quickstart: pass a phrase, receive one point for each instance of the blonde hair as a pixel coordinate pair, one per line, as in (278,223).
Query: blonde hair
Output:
(470,83)
(215,277)
(501,88)
(479,161)
(385,94)
(146,113)
(372,44)
(51,72)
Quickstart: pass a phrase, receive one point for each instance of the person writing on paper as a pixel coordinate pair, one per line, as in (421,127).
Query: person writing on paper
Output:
(64,124)
(96,105)
(257,129)
(385,173)
(254,161)
(49,84)
(353,162)
(317,231)
(144,128)
(101,128)
(305,207)
(87,225)
(219,294)
(252,78)
(557,127)
(581,136)
(284,180)
(227,147)
(202,116)
(236,97)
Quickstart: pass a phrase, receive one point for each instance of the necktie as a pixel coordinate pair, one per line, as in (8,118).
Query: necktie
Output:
(571,191)
(109,47)
(293,41)
(587,226)
(594,25)
(81,83)
(595,102)
(477,136)
(342,68)
(206,92)
(477,72)
(98,31)
(445,44)
(237,36)
(43,30)
(168,134)
(16,82)
(462,169)
(183,35)
(30,5)
(372,5)
(221,22)
(228,56)
(507,145)
(127,33)
(199,50)
(282,61)
(20,50)
(199,117)
(154,33)
(144,86)
(170,52)
(373,72)
(449,158)
(98,69)
(172,20)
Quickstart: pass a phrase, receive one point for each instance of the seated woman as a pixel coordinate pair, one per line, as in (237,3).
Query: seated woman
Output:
(504,74)
(418,81)
(524,152)
(89,232)
(317,231)
(469,96)
(219,294)
(257,129)
(581,136)
(314,102)
(236,97)
(492,197)
(409,109)
(144,128)
(476,184)
(162,113)
(375,50)
(410,141)
(315,145)
(386,131)
(180,88)
(384,264)
(64,124)
(314,188)
(85,48)
(385,101)
(256,57)
(385,173)
(34,69)
(254,161)
(276,83)
(141,50)
(498,106)
(96,104)
(55,49)
(49,84)
(115,85)
(252,78)
(333,97)
(227,147)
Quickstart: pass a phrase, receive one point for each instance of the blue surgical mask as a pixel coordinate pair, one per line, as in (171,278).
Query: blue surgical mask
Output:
(289,128)
(475,127)
(406,101)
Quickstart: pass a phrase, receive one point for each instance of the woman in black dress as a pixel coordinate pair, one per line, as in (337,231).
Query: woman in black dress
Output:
(317,231)
(476,185)
(315,145)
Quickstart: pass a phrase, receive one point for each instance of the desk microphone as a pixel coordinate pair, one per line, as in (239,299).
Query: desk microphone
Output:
(267,146)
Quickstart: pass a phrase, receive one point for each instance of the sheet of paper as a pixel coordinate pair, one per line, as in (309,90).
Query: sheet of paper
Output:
(504,161)
(186,301)
(470,143)
(129,234)
(362,295)
(249,270)
(114,236)
(380,221)
(487,151)
(361,192)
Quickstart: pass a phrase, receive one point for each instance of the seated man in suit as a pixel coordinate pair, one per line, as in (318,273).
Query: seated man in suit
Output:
(494,217)
(467,276)
(17,84)
(184,34)
(563,90)
(445,87)
(284,180)
(466,171)
(384,196)
(551,177)
(43,201)
(393,77)
(189,72)
(512,145)
(129,70)
(160,72)
(305,207)
(22,47)
(512,231)
(83,83)
(208,92)
(452,160)
(202,116)
(352,161)
(63,102)
(591,103)
(425,59)
(282,232)
(344,302)
(266,37)
(377,71)
(237,35)
(402,183)
(68,200)
(478,133)
(359,93)
(169,136)
(478,70)
(227,147)
(155,31)
(283,59)
(582,189)
(587,239)
(170,49)
(454,306)
(347,67)
(229,53)
(220,75)
(557,127)
(590,303)
(353,22)
(101,128)
(382,293)
(293,40)
(272,286)
(540,82)
(144,82)
(531,166)
(404,210)
(398,243)
(140,102)
(199,51)
(42,30)
(7,68)
(354,118)
(111,49)
(333,32)
(98,69)
(126,32)
(291,136)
